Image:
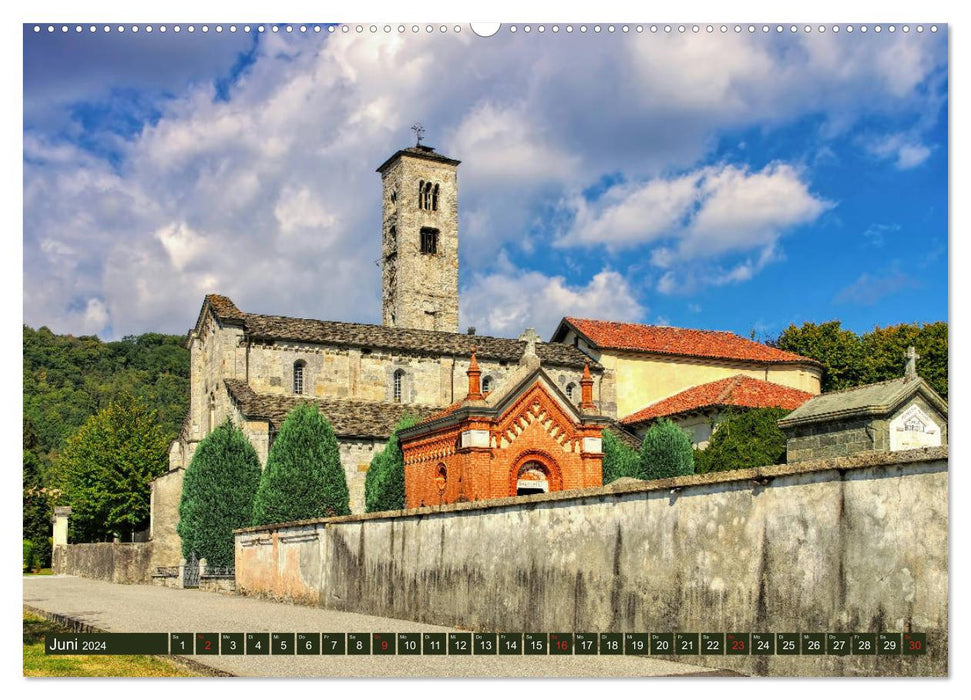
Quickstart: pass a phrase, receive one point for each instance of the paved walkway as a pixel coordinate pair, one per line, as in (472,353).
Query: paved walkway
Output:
(120,608)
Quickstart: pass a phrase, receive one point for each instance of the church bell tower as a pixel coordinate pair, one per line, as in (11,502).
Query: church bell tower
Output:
(419,240)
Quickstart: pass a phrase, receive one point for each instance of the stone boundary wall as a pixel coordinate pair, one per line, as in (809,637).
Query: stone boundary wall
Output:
(117,562)
(854,544)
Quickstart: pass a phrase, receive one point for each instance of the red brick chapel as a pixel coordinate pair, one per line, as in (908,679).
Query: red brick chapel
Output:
(524,437)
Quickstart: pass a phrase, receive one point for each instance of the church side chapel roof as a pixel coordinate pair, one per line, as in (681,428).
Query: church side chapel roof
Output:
(340,333)
(738,391)
(350,419)
(871,400)
(668,340)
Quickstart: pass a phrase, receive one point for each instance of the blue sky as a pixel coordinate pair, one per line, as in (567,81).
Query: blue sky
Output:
(735,182)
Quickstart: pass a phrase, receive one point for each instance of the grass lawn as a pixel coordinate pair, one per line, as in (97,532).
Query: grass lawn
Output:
(39,572)
(36,663)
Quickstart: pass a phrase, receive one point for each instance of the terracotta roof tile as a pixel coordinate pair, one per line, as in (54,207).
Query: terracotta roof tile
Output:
(738,391)
(668,340)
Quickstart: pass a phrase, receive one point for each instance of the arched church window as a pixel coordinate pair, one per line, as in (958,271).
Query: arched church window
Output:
(435,198)
(212,412)
(298,369)
(571,390)
(487,382)
(428,196)
(397,380)
(421,194)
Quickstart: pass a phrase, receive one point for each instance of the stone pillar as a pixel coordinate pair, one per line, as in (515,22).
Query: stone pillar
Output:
(61,516)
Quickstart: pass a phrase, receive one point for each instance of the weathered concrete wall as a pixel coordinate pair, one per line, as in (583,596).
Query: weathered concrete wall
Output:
(847,545)
(125,562)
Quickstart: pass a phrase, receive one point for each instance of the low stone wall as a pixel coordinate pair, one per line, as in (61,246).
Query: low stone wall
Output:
(217,584)
(855,544)
(117,562)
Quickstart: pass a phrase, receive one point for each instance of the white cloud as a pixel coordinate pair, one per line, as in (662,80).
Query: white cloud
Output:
(905,149)
(505,302)
(181,243)
(299,209)
(741,210)
(628,215)
(708,214)
(270,196)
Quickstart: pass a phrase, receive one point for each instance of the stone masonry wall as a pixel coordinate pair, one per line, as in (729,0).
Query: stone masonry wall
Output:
(830,439)
(834,439)
(846,545)
(125,562)
(367,375)
(420,290)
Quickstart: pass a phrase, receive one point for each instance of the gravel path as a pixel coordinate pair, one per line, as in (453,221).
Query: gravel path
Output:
(132,608)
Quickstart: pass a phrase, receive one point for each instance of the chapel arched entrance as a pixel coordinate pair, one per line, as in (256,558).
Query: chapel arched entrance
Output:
(534,473)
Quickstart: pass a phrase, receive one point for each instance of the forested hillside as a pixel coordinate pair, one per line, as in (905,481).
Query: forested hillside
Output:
(68,379)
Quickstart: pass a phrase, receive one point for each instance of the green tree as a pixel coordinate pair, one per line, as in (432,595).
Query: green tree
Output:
(744,440)
(384,483)
(666,451)
(839,351)
(105,471)
(217,495)
(37,511)
(850,360)
(303,476)
(618,459)
(884,348)
(68,379)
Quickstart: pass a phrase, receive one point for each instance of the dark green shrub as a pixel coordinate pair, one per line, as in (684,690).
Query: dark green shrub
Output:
(666,452)
(303,478)
(745,440)
(619,460)
(29,558)
(217,495)
(384,484)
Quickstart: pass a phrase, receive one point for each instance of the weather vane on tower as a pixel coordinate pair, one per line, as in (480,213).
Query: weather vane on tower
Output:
(419,132)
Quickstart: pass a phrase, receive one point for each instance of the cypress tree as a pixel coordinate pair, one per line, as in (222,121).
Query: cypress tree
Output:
(303,478)
(384,485)
(618,459)
(217,495)
(666,452)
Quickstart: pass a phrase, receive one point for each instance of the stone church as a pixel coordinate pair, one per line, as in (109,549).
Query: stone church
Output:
(254,368)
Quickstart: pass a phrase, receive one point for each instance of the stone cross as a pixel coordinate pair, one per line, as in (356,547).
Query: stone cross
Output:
(912,357)
(419,132)
(529,335)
